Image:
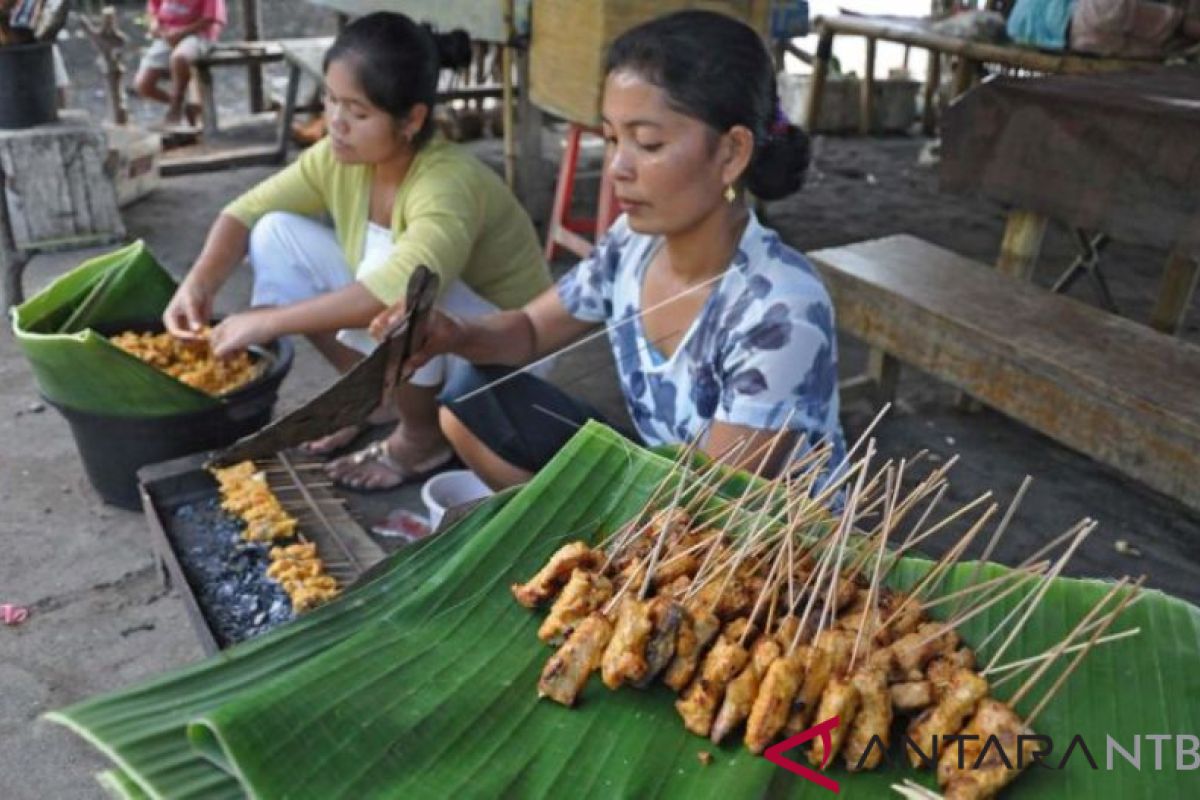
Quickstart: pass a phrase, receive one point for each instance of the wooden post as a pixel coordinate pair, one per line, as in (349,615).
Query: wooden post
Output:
(1175,292)
(284,135)
(866,104)
(107,37)
(819,73)
(534,184)
(933,78)
(14,260)
(1022,244)
(252,21)
(964,75)
(507,99)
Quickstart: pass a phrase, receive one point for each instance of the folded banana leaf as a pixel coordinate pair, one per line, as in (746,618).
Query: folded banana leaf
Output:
(422,683)
(77,367)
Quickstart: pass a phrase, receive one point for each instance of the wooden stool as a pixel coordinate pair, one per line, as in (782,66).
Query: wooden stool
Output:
(57,193)
(564,230)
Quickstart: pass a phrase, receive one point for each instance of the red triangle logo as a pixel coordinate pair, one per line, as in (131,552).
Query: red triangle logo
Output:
(775,754)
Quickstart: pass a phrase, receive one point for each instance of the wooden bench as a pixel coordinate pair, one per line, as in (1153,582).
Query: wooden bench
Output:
(1120,392)
(229,54)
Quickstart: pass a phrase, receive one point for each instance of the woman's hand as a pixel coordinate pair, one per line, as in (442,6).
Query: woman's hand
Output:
(189,311)
(236,333)
(387,320)
(437,333)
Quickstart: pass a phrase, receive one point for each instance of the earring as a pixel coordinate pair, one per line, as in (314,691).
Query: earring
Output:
(730,194)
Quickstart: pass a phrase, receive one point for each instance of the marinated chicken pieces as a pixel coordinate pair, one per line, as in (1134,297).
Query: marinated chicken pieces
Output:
(557,571)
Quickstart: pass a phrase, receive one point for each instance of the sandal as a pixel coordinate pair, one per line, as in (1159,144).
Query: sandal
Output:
(375,459)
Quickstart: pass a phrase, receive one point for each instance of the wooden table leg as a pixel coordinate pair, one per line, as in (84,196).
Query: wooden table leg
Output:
(933,77)
(964,75)
(1175,293)
(866,101)
(885,375)
(817,88)
(288,113)
(1022,244)
(208,103)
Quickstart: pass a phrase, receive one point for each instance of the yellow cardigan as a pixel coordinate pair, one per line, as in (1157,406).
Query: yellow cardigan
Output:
(452,214)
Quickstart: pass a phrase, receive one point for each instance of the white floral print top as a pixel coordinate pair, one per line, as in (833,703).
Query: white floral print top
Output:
(762,346)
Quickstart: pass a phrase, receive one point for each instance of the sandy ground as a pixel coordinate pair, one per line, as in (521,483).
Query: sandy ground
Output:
(101,620)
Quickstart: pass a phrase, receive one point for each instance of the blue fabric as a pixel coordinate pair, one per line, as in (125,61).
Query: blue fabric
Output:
(1041,23)
(763,345)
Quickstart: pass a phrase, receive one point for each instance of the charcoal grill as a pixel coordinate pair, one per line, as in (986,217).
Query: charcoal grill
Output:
(179,497)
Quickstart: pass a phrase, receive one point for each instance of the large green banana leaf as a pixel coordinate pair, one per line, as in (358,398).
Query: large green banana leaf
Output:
(80,369)
(422,683)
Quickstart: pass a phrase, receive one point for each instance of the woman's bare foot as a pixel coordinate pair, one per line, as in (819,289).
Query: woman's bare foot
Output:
(403,456)
(343,437)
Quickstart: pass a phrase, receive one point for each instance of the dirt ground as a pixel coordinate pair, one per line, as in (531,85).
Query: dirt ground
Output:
(99,618)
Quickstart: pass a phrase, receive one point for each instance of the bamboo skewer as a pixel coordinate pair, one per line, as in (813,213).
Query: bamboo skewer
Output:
(945,562)
(1037,568)
(1000,529)
(846,525)
(1041,592)
(1112,617)
(1017,667)
(873,589)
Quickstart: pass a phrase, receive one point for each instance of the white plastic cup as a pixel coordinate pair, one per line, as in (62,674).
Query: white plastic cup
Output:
(449,489)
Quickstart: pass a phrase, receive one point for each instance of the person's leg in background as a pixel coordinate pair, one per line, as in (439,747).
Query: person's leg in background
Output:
(62,81)
(479,458)
(155,65)
(186,53)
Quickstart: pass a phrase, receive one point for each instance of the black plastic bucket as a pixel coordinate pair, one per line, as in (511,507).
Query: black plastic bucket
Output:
(28,95)
(114,448)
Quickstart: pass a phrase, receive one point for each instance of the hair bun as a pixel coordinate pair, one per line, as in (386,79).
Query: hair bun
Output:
(780,164)
(454,49)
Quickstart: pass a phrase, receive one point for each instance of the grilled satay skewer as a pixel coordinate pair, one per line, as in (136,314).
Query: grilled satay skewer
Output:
(555,573)
(666,616)
(977,775)
(873,722)
(699,703)
(786,674)
(568,670)
(840,697)
(740,694)
(583,594)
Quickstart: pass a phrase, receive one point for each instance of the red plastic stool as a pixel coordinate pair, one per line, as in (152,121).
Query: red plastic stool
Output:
(564,230)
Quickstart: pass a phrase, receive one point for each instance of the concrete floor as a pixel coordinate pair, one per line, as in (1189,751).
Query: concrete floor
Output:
(100,619)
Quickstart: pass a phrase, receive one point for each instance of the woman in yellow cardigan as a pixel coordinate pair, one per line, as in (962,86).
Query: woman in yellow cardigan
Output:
(398,196)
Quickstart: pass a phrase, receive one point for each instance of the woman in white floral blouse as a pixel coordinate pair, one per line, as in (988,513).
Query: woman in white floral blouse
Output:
(715,324)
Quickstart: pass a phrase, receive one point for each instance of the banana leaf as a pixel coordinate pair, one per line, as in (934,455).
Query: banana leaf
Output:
(422,683)
(80,369)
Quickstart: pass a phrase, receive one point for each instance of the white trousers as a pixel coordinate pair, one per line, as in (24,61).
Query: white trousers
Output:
(296,258)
